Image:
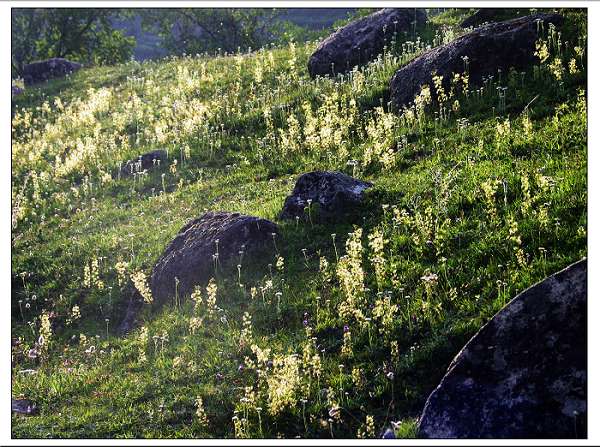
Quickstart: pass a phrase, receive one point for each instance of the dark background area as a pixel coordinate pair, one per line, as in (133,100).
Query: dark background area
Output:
(148,44)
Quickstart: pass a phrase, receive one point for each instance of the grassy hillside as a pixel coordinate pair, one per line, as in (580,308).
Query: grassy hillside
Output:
(346,328)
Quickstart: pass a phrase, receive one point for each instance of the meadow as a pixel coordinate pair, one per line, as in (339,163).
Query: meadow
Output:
(479,191)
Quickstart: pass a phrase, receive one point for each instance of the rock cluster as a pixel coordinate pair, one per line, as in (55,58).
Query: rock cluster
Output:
(493,47)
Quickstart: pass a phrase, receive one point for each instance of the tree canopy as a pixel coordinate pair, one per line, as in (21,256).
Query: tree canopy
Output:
(80,34)
(197,30)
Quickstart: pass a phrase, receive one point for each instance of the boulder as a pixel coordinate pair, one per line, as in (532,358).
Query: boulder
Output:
(524,374)
(333,192)
(488,48)
(23,406)
(131,310)
(189,257)
(51,68)
(361,41)
(147,161)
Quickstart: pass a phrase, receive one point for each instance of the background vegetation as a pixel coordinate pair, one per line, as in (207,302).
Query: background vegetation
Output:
(110,36)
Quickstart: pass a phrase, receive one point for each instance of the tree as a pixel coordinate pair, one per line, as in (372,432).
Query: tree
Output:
(193,30)
(80,34)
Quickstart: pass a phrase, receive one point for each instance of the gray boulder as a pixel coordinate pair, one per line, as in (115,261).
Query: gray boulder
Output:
(189,257)
(488,48)
(147,161)
(51,68)
(362,41)
(23,406)
(524,374)
(333,192)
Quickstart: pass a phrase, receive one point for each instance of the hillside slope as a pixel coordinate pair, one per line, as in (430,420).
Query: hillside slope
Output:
(346,327)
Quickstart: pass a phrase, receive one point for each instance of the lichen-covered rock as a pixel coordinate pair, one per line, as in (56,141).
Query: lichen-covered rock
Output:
(488,48)
(147,161)
(189,257)
(23,406)
(50,68)
(524,374)
(361,41)
(333,193)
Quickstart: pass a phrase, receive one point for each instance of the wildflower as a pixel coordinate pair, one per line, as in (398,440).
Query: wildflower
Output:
(573,67)
(195,324)
(173,167)
(197,298)
(556,68)
(385,313)
(429,277)
(279,263)
(351,276)
(200,413)
(324,269)
(376,244)
(211,300)
(503,128)
(246,334)
(45,332)
(394,351)
(142,343)
(121,268)
(75,313)
(334,412)
(347,345)
(139,281)
(515,238)
(368,429)
(542,51)
(177,362)
(283,383)
(358,377)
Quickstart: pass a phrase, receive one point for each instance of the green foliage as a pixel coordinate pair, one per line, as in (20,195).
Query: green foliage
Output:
(198,30)
(112,47)
(84,35)
(342,330)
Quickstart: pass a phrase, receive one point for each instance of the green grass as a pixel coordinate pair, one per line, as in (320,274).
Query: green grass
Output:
(472,211)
